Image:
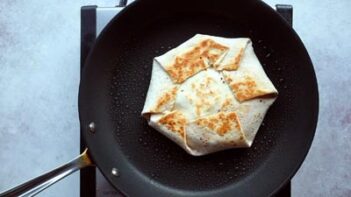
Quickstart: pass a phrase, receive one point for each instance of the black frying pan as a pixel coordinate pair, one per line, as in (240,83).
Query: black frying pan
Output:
(143,161)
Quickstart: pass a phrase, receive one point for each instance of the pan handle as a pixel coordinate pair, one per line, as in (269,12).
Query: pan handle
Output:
(36,185)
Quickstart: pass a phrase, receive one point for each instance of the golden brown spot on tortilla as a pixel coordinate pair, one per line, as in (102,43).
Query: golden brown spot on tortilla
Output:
(234,64)
(193,86)
(211,125)
(221,123)
(205,95)
(200,57)
(247,89)
(202,105)
(232,142)
(165,99)
(226,104)
(174,121)
(198,109)
(208,80)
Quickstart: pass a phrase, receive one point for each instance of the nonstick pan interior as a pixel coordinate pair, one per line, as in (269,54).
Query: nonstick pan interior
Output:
(116,79)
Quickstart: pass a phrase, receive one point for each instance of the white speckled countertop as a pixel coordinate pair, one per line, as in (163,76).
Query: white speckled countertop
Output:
(39,126)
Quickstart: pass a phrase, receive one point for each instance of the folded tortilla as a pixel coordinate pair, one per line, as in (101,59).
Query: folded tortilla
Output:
(209,94)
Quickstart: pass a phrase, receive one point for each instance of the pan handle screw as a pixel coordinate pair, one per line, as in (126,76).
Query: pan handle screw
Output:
(91,127)
(115,172)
